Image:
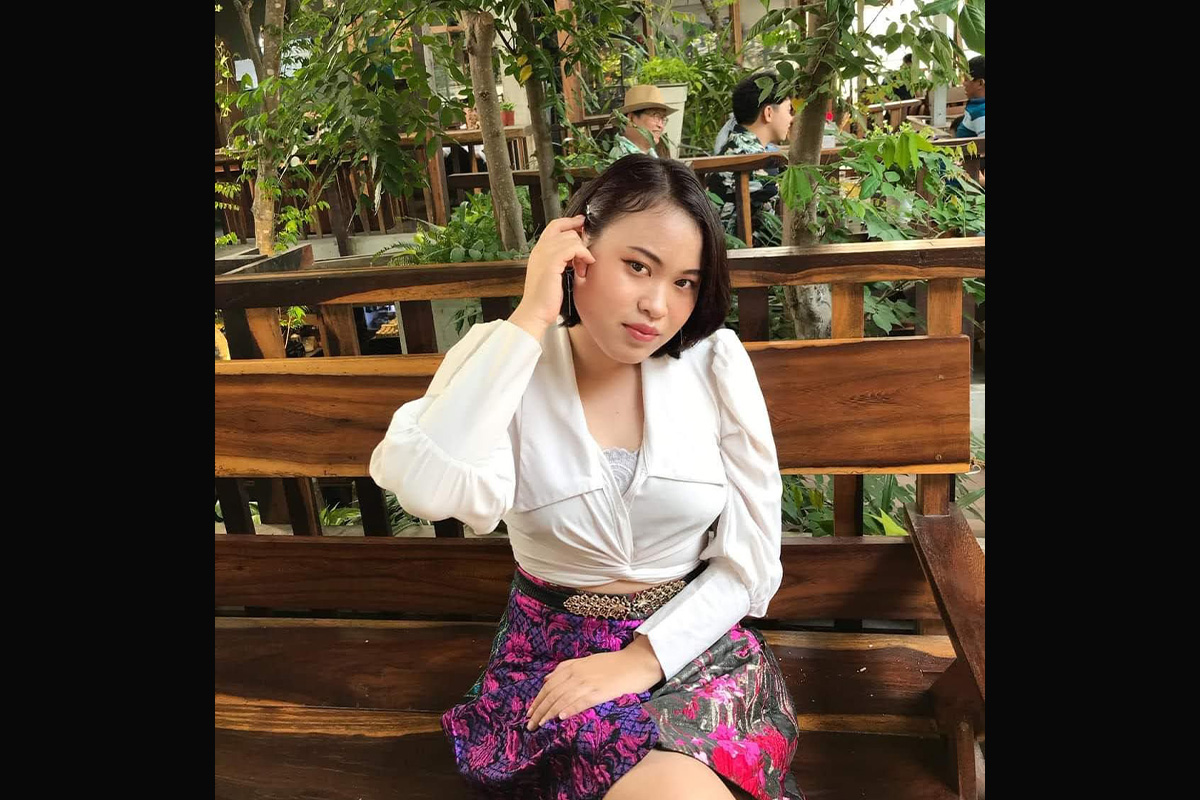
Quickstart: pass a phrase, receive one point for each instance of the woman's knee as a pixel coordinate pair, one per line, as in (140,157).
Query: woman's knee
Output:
(669,776)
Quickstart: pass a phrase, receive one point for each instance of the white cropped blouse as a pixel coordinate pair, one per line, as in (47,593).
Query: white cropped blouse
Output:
(501,434)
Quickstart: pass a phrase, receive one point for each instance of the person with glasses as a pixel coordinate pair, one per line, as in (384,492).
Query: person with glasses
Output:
(647,115)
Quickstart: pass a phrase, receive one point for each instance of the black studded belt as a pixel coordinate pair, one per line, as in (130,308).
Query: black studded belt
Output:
(638,605)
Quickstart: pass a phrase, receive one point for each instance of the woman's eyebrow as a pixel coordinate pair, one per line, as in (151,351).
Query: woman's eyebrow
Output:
(658,260)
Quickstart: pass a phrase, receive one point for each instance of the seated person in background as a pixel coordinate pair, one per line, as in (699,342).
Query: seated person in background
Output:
(901,89)
(645,109)
(759,127)
(971,122)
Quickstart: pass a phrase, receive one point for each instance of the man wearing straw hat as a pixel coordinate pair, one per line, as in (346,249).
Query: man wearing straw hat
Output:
(647,114)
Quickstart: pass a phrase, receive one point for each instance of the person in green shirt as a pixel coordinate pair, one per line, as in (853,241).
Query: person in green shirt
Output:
(760,126)
(646,111)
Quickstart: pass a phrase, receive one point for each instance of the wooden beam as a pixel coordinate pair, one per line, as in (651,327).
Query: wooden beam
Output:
(735,24)
(572,88)
(919,259)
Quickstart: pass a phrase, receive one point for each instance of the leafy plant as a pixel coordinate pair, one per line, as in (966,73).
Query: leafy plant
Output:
(230,190)
(469,235)
(663,70)
(900,186)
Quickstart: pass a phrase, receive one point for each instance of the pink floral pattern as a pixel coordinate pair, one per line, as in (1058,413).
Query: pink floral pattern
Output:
(729,708)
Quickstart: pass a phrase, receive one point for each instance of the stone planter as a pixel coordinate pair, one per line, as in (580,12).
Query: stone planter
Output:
(674,95)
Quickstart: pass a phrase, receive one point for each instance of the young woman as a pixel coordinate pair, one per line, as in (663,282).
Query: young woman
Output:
(609,421)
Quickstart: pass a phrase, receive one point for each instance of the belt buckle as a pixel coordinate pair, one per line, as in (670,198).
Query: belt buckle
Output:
(590,604)
(615,606)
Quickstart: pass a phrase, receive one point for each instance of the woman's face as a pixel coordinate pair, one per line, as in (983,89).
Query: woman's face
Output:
(646,273)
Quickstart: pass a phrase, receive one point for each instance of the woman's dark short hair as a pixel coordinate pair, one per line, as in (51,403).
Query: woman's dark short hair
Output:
(746,105)
(639,182)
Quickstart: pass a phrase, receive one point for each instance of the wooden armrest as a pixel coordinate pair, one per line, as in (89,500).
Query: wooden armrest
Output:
(953,564)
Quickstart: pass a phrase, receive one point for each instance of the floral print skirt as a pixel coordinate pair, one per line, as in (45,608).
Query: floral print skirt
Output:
(728,708)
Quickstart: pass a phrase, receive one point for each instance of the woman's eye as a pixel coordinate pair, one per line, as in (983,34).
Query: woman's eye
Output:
(636,264)
(692,283)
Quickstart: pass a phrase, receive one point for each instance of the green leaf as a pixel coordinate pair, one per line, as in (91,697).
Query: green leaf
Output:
(891,177)
(970,22)
(476,255)
(890,528)
(939,7)
(971,497)
(458,254)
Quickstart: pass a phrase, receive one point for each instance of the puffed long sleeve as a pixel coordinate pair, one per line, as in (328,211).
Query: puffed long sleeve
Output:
(744,569)
(449,453)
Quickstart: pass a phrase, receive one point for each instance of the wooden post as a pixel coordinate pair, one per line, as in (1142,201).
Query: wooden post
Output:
(735,25)
(943,317)
(744,224)
(847,323)
(648,33)
(572,89)
(754,323)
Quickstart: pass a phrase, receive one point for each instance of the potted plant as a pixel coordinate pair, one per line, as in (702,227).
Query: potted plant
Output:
(508,114)
(671,76)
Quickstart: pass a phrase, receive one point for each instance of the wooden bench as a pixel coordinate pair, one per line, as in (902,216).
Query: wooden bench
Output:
(335,656)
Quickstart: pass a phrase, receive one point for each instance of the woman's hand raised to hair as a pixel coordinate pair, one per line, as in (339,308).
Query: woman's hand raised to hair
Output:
(560,246)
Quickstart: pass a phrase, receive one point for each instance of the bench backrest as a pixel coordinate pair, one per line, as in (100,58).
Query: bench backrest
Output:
(844,406)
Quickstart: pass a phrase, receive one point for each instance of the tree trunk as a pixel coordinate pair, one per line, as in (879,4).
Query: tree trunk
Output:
(808,307)
(710,9)
(535,94)
(481,37)
(243,12)
(264,202)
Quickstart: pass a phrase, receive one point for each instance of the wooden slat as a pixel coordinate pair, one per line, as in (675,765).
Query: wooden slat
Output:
(235,506)
(339,333)
(304,506)
(754,323)
(450,528)
(254,333)
(896,404)
(876,577)
(953,563)
(296,259)
(495,308)
(419,333)
(229,263)
(762,266)
(407,757)
(373,506)
(857,682)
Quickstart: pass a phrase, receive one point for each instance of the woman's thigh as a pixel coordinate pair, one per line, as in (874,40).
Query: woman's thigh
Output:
(670,776)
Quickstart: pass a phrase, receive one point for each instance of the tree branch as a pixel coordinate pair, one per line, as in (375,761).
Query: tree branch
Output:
(256,56)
